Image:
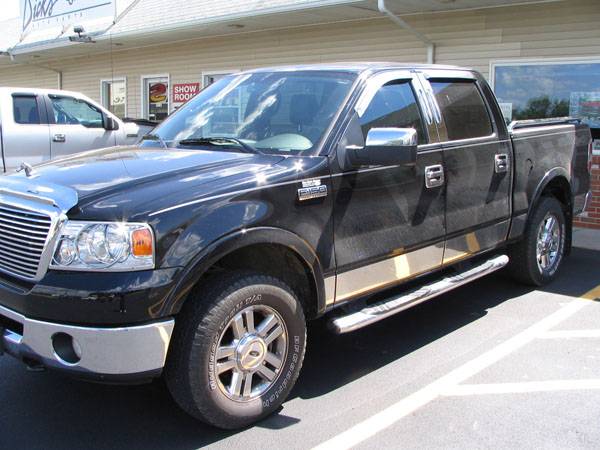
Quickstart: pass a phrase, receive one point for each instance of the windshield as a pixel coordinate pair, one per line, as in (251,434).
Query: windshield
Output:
(271,112)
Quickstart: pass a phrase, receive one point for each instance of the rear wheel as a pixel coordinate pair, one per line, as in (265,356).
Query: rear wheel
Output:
(237,350)
(536,259)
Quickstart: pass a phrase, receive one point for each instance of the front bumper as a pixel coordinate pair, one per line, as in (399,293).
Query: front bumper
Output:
(121,353)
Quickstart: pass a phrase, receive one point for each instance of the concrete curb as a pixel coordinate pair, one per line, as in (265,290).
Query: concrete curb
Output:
(586,238)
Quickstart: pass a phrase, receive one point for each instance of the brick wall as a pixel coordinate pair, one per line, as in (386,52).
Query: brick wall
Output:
(591,216)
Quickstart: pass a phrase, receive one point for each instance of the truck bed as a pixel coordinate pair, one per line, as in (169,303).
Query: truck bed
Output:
(536,158)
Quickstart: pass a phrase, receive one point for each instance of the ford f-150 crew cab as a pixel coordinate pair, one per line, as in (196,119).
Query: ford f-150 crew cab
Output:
(41,124)
(274,197)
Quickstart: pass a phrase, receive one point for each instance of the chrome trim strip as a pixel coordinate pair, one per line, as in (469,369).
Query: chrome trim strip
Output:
(469,244)
(473,142)
(389,271)
(533,131)
(388,307)
(107,351)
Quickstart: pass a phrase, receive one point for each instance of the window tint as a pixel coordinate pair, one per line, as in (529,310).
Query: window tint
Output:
(463,108)
(25,109)
(394,105)
(72,111)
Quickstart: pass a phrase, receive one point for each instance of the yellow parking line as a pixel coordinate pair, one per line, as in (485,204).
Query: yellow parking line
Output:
(594,294)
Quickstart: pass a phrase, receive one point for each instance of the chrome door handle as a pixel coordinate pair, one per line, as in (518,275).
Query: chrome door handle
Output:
(59,138)
(434,176)
(501,163)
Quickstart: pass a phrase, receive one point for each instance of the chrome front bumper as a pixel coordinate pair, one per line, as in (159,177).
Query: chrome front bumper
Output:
(87,351)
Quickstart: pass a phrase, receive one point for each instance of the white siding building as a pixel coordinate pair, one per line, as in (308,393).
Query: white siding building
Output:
(542,57)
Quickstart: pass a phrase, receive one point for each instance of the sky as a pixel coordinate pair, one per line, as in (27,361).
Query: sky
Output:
(10,9)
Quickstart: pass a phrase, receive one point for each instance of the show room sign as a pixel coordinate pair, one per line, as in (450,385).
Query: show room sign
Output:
(182,92)
(42,14)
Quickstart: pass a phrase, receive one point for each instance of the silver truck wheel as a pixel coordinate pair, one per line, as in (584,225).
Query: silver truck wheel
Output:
(536,258)
(548,245)
(250,353)
(237,349)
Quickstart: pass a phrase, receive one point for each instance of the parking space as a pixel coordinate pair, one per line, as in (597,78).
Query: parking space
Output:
(492,364)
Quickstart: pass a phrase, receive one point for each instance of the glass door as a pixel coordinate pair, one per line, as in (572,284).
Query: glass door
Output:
(156,98)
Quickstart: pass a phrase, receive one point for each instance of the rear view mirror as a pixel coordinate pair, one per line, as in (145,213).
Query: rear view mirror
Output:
(110,123)
(386,147)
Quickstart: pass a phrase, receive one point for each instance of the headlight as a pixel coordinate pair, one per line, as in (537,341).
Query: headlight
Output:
(110,246)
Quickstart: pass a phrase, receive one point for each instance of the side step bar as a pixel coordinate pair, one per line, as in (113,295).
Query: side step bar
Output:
(385,308)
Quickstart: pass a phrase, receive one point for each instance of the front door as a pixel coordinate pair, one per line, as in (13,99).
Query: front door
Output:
(389,223)
(24,130)
(76,126)
(477,162)
(156,98)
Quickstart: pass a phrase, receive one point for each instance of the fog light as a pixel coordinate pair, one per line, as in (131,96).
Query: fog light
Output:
(66,349)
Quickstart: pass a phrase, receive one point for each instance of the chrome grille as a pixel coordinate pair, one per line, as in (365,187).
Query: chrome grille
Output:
(23,235)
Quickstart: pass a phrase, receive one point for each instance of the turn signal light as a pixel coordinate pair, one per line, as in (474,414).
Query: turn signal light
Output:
(141,242)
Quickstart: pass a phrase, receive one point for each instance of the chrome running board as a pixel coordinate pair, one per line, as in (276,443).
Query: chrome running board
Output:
(388,307)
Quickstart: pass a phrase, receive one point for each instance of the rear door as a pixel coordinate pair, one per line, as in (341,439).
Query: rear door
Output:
(25,133)
(477,164)
(389,220)
(75,126)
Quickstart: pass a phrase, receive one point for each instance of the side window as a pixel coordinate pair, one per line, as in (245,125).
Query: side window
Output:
(72,111)
(464,110)
(394,105)
(25,109)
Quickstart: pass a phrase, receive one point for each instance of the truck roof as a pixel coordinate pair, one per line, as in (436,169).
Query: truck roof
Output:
(358,67)
(29,90)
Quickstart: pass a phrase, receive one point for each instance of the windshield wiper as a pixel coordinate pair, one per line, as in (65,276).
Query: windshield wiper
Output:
(154,137)
(247,148)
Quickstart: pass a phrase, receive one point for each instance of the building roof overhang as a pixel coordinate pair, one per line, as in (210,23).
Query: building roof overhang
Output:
(126,35)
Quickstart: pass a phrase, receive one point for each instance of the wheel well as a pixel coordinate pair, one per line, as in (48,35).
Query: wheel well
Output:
(560,189)
(275,260)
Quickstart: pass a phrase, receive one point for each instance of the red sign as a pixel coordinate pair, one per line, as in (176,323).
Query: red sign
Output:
(182,92)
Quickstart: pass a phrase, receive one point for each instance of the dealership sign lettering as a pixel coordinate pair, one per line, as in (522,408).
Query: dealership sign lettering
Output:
(182,92)
(40,14)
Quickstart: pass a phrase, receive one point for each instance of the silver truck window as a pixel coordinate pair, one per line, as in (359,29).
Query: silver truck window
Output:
(464,111)
(394,105)
(72,111)
(25,109)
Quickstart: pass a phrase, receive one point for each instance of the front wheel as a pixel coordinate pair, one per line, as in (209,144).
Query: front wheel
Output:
(237,350)
(536,259)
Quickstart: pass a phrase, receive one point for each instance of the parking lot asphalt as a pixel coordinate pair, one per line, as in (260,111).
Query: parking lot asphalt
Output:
(490,365)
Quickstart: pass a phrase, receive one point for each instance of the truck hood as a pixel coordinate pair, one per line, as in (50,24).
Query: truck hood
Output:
(100,174)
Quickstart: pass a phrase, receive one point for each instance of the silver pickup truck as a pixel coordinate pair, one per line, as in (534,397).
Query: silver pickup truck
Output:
(42,124)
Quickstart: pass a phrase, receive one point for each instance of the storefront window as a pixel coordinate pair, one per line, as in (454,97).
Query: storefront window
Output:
(114,95)
(210,78)
(156,98)
(552,89)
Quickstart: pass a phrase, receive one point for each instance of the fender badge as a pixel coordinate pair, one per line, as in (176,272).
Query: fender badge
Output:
(312,189)
(27,168)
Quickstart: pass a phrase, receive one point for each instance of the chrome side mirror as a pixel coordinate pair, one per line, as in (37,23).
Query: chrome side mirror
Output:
(386,147)
(392,137)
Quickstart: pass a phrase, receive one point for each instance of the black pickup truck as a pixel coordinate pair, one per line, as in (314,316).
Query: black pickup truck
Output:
(274,197)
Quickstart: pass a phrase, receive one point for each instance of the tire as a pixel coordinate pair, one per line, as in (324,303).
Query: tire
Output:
(526,264)
(209,327)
